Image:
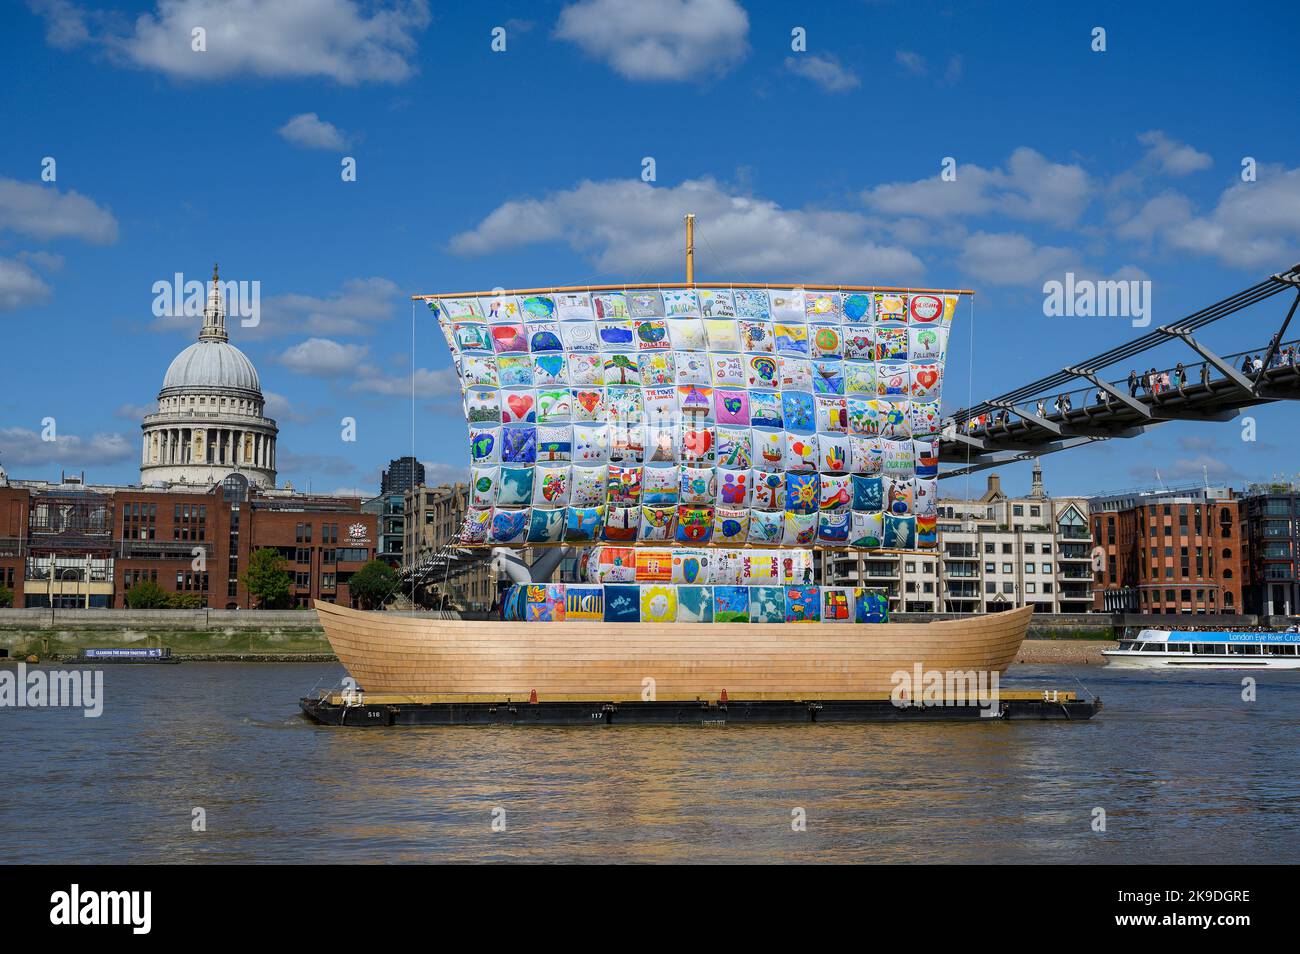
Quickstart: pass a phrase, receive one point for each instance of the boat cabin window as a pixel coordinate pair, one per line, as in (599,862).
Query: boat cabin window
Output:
(1128,644)
(1205,649)
(1153,647)
(1280,650)
(1178,647)
(1236,650)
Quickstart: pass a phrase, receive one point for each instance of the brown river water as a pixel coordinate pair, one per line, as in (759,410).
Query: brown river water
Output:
(1183,768)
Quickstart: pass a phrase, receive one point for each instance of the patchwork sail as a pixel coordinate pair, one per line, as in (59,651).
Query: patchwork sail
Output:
(734,416)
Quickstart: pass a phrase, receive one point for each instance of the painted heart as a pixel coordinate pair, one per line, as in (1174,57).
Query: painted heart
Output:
(552,365)
(690,569)
(732,405)
(506,334)
(927,378)
(697,443)
(520,405)
(589,401)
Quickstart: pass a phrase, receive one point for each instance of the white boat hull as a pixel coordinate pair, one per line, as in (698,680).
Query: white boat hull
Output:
(1123,659)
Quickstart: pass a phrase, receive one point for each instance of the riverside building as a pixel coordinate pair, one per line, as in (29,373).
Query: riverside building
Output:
(994,554)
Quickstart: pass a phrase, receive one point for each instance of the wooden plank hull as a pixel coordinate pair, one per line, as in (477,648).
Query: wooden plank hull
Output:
(408,655)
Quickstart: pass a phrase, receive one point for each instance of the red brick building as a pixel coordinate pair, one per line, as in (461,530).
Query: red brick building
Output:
(72,544)
(1178,552)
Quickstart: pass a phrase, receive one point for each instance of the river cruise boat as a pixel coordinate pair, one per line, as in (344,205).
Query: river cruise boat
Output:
(1193,649)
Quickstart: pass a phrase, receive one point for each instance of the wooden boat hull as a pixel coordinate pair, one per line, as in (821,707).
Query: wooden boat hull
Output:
(390,653)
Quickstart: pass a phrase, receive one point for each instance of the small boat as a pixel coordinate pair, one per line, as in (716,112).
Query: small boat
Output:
(1210,649)
(95,657)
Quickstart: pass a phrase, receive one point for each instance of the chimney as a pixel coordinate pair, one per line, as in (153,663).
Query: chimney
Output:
(994,485)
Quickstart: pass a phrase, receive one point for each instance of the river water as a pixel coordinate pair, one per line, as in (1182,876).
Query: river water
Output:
(1183,768)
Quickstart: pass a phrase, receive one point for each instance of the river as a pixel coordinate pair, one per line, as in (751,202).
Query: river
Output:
(1183,769)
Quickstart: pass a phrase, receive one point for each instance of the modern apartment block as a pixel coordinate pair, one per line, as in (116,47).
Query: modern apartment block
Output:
(1272,517)
(390,511)
(994,553)
(1177,551)
(402,474)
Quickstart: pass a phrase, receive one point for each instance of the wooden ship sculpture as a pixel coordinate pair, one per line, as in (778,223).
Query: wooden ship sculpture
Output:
(690,446)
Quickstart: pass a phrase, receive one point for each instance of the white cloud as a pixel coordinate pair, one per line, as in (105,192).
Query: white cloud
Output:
(323,357)
(1031,188)
(20,286)
(825,71)
(440,383)
(343,40)
(24,447)
(311,132)
(1165,211)
(633,227)
(330,464)
(665,40)
(134,412)
(1009,258)
(326,358)
(1173,157)
(43,212)
(953,73)
(912,62)
(1253,225)
(280,408)
(360,307)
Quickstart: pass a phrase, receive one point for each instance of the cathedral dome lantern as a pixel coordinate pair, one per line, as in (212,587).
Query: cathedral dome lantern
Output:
(210,419)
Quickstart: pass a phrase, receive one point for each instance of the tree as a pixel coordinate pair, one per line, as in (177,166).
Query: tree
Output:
(371,585)
(267,579)
(6,596)
(147,595)
(184,601)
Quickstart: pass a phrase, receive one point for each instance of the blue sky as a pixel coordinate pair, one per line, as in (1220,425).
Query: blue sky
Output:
(478,168)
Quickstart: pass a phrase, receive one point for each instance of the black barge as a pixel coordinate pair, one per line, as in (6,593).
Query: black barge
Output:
(357,709)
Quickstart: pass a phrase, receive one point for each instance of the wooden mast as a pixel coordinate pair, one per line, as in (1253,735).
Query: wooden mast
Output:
(690,248)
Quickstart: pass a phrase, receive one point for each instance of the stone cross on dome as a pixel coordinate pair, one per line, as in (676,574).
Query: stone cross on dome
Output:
(214,315)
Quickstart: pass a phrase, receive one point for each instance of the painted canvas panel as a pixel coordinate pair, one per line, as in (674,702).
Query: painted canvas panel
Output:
(731,604)
(691,566)
(622,603)
(803,604)
(837,604)
(616,565)
(546,526)
(584,524)
(695,604)
(545,603)
(766,604)
(658,604)
(654,566)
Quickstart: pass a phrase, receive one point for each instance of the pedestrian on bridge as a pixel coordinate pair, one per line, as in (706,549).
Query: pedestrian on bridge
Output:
(1180,376)
(1132,383)
(1205,373)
